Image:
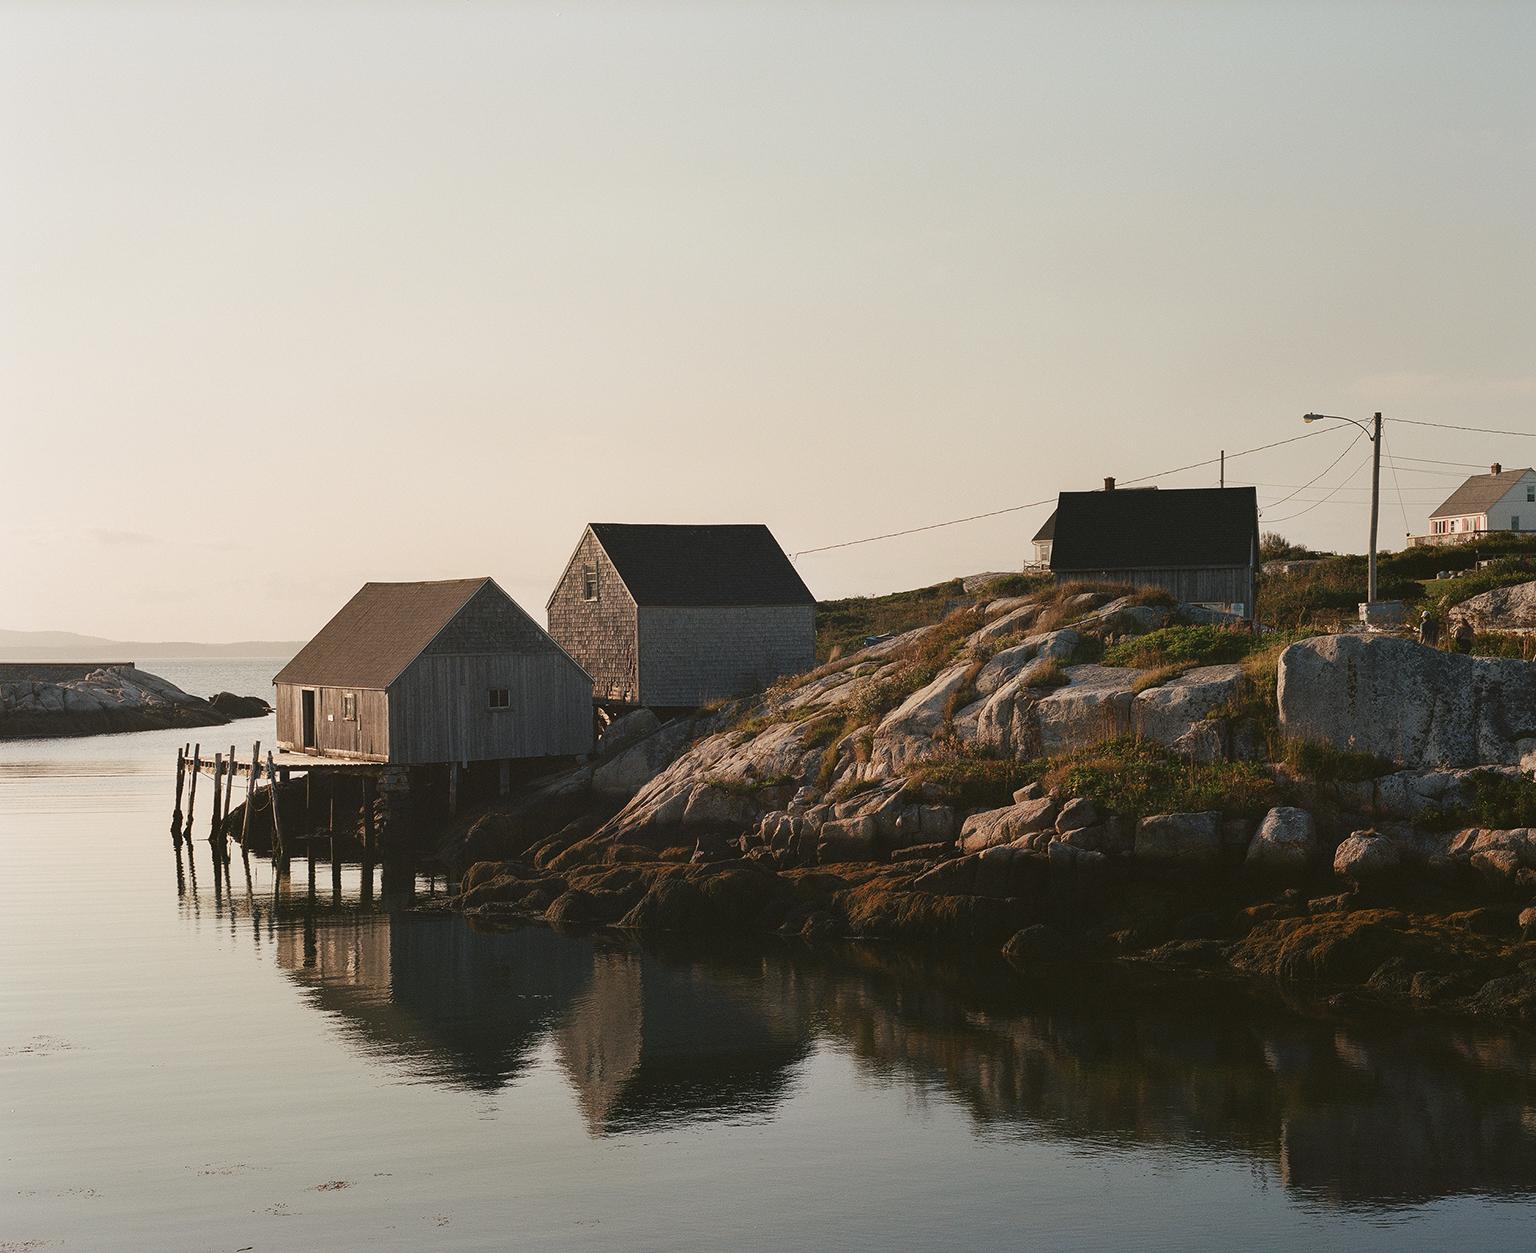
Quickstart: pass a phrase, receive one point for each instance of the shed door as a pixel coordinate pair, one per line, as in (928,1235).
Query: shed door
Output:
(308,728)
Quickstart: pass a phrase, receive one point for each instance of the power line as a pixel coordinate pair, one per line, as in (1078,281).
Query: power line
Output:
(1399,484)
(1324,470)
(1449,426)
(1035,504)
(1328,497)
(1434,461)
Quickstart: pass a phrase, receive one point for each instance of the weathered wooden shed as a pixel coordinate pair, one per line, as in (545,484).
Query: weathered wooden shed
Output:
(417,673)
(679,616)
(1200,544)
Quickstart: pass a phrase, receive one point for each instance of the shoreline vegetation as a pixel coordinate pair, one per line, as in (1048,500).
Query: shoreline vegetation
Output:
(1072,774)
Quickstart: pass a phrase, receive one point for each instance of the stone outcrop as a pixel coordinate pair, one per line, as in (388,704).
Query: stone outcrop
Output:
(232,706)
(99,700)
(1408,703)
(1502,609)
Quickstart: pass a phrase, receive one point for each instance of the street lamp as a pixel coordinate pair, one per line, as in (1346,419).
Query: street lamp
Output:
(1372,433)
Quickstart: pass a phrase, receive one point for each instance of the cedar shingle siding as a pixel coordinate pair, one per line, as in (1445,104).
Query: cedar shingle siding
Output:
(420,660)
(685,615)
(601,634)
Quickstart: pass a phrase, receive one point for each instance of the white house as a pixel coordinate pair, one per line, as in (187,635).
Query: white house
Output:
(1501,500)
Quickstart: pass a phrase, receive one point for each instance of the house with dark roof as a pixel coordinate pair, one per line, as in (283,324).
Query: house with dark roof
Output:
(444,672)
(679,616)
(1199,544)
(1501,500)
(1042,541)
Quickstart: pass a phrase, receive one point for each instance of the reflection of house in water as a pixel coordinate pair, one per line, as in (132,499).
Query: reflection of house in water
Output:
(1368,1114)
(460,1006)
(651,1042)
(644,1041)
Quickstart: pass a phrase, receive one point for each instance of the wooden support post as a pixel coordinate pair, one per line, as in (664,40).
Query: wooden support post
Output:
(181,778)
(218,795)
(250,795)
(335,851)
(504,779)
(453,789)
(197,757)
(279,845)
(370,837)
(229,782)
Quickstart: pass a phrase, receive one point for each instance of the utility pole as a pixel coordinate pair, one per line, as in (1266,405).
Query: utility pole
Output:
(1370,594)
(1223,467)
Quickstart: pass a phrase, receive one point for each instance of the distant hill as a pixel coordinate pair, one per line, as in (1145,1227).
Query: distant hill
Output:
(68,646)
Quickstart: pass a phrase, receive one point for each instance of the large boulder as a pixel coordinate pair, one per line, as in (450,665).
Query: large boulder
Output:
(906,733)
(625,730)
(1004,826)
(1094,706)
(1177,713)
(1415,705)
(232,706)
(1366,857)
(1285,841)
(1181,839)
(1502,609)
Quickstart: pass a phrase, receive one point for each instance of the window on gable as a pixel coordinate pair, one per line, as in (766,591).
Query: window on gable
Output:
(1530,492)
(500,698)
(589,582)
(349,706)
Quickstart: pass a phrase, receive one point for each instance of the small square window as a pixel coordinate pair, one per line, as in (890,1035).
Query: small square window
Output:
(349,706)
(589,582)
(500,698)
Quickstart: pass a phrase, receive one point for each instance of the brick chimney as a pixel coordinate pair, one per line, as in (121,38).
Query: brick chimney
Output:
(1109,482)
(1496,468)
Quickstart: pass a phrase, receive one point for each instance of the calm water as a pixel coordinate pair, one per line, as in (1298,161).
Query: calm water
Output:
(187,1068)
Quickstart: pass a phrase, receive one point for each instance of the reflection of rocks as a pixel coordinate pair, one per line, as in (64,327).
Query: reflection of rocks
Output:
(651,1038)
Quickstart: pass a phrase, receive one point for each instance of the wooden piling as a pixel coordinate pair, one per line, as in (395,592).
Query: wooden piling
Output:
(218,796)
(229,782)
(279,844)
(250,795)
(181,778)
(453,789)
(370,837)
(197,757)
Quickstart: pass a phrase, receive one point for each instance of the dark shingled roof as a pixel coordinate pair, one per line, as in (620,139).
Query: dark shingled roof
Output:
(702,565)
(378,633)
(1162,529)
(1479,493)
(1047,529)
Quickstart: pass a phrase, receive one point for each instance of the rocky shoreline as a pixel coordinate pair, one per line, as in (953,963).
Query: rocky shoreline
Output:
(48,701)
(1032,775)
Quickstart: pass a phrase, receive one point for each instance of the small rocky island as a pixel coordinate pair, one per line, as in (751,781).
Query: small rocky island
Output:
(1074,773)
(46,700)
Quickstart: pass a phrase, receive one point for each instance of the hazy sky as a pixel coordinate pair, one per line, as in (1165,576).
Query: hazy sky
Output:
(298,295)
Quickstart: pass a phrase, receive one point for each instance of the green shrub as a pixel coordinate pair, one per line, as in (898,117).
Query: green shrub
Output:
(1181,645)
(968,779)
(1496,800)
(1015,585)
(1505,572)
(846,624)
(1327,764)
(1136,778)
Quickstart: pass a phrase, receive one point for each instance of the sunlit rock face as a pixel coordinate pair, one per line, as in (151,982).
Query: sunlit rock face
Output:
(1414,705)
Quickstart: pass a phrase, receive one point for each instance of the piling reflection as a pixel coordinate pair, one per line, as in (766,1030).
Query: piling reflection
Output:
(1357,1114)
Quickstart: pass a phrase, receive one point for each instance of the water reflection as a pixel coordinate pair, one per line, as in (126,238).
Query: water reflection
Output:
(1358,1114)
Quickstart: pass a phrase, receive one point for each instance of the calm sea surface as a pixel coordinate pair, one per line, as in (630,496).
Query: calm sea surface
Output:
(185,1067)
